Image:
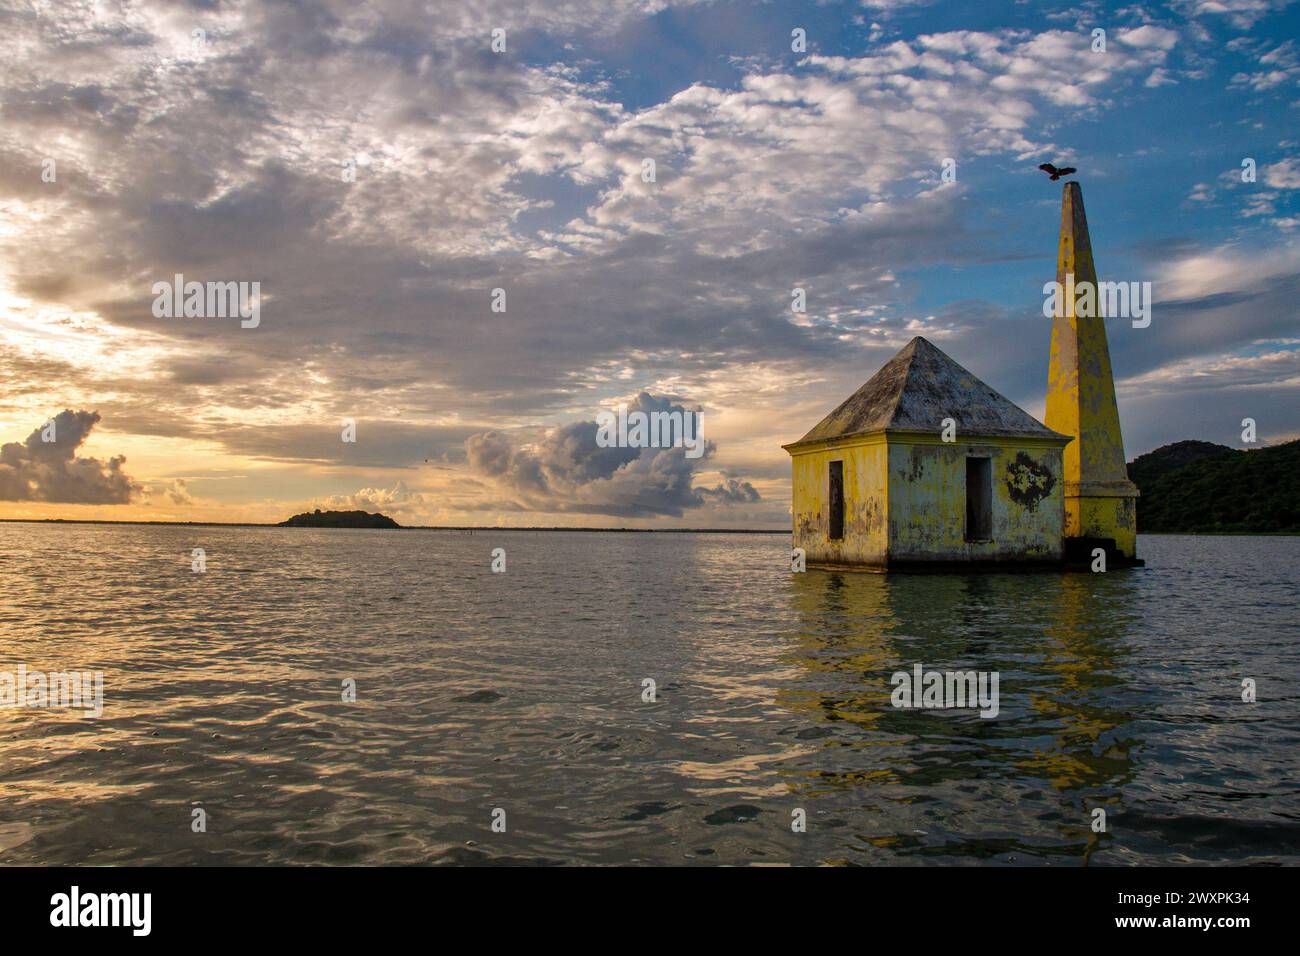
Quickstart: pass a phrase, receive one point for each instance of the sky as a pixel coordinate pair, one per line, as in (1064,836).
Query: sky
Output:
(379,168)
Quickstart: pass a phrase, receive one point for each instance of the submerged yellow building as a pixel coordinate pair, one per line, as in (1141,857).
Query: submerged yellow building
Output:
(877,484)
(927,465)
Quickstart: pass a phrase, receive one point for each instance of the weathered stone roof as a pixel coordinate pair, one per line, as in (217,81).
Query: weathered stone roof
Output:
(916,390)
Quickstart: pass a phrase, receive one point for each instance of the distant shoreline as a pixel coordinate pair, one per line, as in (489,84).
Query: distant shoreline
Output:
(448,527)
(410,527)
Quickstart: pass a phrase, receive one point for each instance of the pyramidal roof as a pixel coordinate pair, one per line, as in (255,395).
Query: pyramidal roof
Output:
(916,390)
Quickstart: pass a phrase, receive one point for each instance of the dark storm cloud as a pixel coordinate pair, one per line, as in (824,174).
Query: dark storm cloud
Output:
(569,472)
(49,470)
(732,491)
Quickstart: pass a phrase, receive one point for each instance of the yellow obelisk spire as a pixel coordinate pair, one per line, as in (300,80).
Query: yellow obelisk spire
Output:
(1100,501)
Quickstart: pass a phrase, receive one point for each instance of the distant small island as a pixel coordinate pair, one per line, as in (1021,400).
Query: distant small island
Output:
(339,519)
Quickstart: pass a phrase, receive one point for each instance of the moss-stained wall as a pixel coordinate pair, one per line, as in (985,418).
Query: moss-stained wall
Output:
(905,500)
(865,502)
(927,500)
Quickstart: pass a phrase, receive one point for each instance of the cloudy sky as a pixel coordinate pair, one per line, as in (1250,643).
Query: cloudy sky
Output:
(380,169)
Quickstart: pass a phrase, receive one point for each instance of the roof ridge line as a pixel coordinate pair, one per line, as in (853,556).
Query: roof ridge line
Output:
(901,397)
(907,370)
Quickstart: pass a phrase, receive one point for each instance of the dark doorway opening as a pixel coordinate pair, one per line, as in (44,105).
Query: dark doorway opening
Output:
(979,499)
(837,501)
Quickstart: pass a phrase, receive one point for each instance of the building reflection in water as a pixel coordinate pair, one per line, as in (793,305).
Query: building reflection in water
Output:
(948,782)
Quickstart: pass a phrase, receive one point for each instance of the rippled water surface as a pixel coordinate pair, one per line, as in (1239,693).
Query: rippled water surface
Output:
(523,691)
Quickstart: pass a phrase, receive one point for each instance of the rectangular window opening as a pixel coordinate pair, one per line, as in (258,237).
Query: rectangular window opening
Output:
(979,499)
(837,501)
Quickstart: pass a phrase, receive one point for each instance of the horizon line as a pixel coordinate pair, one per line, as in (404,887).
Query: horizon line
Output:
(411,527)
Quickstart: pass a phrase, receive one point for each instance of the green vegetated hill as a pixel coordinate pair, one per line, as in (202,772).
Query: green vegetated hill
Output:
(1145,469)
(1192,486)
(339,519)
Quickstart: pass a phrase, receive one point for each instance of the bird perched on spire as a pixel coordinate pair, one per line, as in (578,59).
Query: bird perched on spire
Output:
(1057,173)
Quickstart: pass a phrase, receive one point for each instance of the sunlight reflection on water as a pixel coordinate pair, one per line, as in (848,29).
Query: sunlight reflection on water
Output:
(523,691)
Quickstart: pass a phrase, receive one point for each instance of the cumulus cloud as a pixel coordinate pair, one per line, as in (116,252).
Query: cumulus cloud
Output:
(175,492)
(396,499)
(1148,36)
(1278,66)
(1284,174)
(1241,14)
(568,471)
(732,491)
(1257,200)
(45,467)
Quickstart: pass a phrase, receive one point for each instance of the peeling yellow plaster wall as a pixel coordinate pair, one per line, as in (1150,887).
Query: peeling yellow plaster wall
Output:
(927,501)
(905,500)
(865,501)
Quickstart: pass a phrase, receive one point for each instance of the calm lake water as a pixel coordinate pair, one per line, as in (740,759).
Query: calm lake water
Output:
(523,691)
